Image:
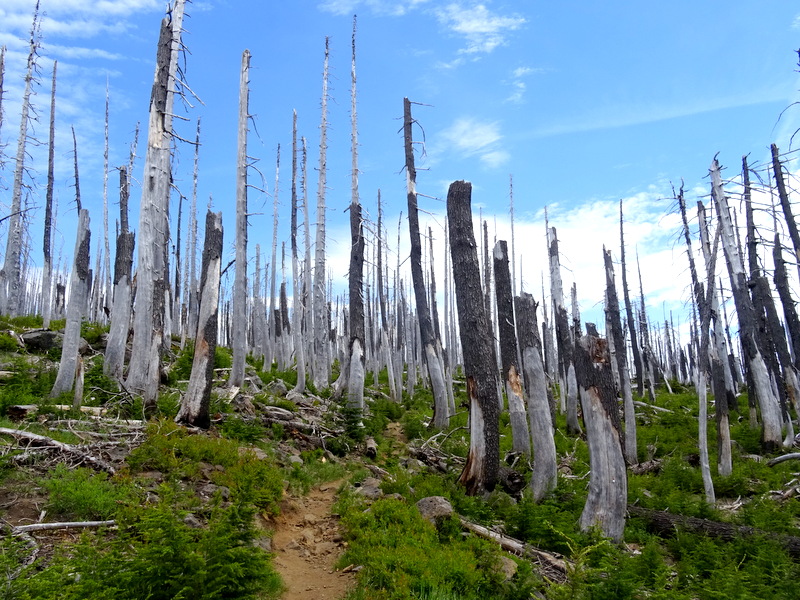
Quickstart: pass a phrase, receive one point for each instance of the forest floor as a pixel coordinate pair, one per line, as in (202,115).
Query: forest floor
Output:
(307,543)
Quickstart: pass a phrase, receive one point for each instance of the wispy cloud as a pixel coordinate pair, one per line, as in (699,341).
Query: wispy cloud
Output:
(518,84)
(469,137)
(379,7)
(483,30)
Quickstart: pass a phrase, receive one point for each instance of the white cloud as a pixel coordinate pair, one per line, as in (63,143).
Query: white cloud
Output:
(483,30)
(378,7)
(469,137)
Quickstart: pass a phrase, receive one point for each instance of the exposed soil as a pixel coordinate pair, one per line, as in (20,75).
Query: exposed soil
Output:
(307,543)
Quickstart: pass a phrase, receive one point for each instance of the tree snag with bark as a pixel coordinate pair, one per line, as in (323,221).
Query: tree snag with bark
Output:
(480,364)
(196,400)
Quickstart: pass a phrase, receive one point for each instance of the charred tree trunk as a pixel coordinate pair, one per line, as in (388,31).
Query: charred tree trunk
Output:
(76,307)
(195,403)
(508,351)
(480,365)
(637,357)
(545,473)
(786,205)
(608,483)
(432,348)
(620,360)
(781,279)
(47,242)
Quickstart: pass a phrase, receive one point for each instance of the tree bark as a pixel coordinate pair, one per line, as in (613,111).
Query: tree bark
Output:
(47,242)
(637,357)
(432,348)
(480,365)
(195,403)
(79,288)
(121,311)
(608,484)
(521,436)
(545,473)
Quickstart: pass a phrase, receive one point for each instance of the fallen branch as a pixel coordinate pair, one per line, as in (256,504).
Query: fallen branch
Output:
(650,406)
(64,525)
(68,448)
(779,459)
(550,566)
(666,523)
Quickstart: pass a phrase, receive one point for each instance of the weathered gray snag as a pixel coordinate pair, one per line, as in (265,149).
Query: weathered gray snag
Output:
(78,291)
(297,311)
(151,286)
(545,467)
(608,484)
(273,327)
(236,378)
(521,437)
(432,348)
(637,357)
(781,279)
(114,362)
(767,401)
(480,365)
(195,403)
(11,273)
(47,242)
(620,360)
(786,205)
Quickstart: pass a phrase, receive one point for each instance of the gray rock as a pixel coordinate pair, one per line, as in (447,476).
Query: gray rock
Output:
(370,488)
(508,567)
(42,340)
(277,387)
(295,460)
(434,508)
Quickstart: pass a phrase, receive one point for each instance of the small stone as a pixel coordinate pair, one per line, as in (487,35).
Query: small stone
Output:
(192,521)
(508,567)
(295,460)
(434,508)
(310,519)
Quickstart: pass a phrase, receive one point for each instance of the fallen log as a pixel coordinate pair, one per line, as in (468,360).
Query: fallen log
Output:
(779,459)
(666,523)
(64,525)
(549,565)
(35,438)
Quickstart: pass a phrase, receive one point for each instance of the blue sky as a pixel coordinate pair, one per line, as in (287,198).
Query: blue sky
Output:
(583,103)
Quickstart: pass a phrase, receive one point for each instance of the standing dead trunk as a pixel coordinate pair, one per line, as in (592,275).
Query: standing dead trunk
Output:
(114,362)
(322,364)
(11,273)
(767,401)
(786,205)
(620,360)
(545,473)
(431,346)
(240,277)
(521,437)
(192,295)
(385,333)
(272,326)
(637,357)
(781,279)
(195,403)
(151,286)
(355,383)
(76,307)
(608,485)
(47,242)
(106,244)
(480,365)
(297,310)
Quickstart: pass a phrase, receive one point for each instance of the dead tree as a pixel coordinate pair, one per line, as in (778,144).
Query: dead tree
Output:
(76,307)
(521,436)
(786,205)
(355,382)
(297,310)
(106,245)
(195,403)
(620,360)
(545,473)
(151,287)
(637,357)
(608,484)
(322,366)
(240,276)
(762,389)
(480,364)
(11,273)
(47,241)
(431,346)
(273,327)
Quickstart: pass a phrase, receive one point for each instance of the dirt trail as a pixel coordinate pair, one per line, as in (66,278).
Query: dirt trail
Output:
(307,542)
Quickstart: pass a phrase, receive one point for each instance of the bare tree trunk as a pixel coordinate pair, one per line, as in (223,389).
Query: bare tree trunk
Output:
(768,403)
(608,485)
(781,280)
(521,436)
(192,294)
(431,346)
(322,366)
(385,333)
(545,473)
(637,357)
(786,205)
(355,382)
(143,371)
(106,244)
(195,403)
(47,242)
(297,311)
(76,307)
(272,326)
(121,312)
(620,360)
(480,365)
(10,274)
(240,278)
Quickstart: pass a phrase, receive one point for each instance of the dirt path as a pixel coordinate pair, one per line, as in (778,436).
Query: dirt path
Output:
(307,543)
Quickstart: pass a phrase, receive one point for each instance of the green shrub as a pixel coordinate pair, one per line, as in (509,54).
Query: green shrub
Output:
(8,343)
(236,428)
(93,332)
(83,494)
